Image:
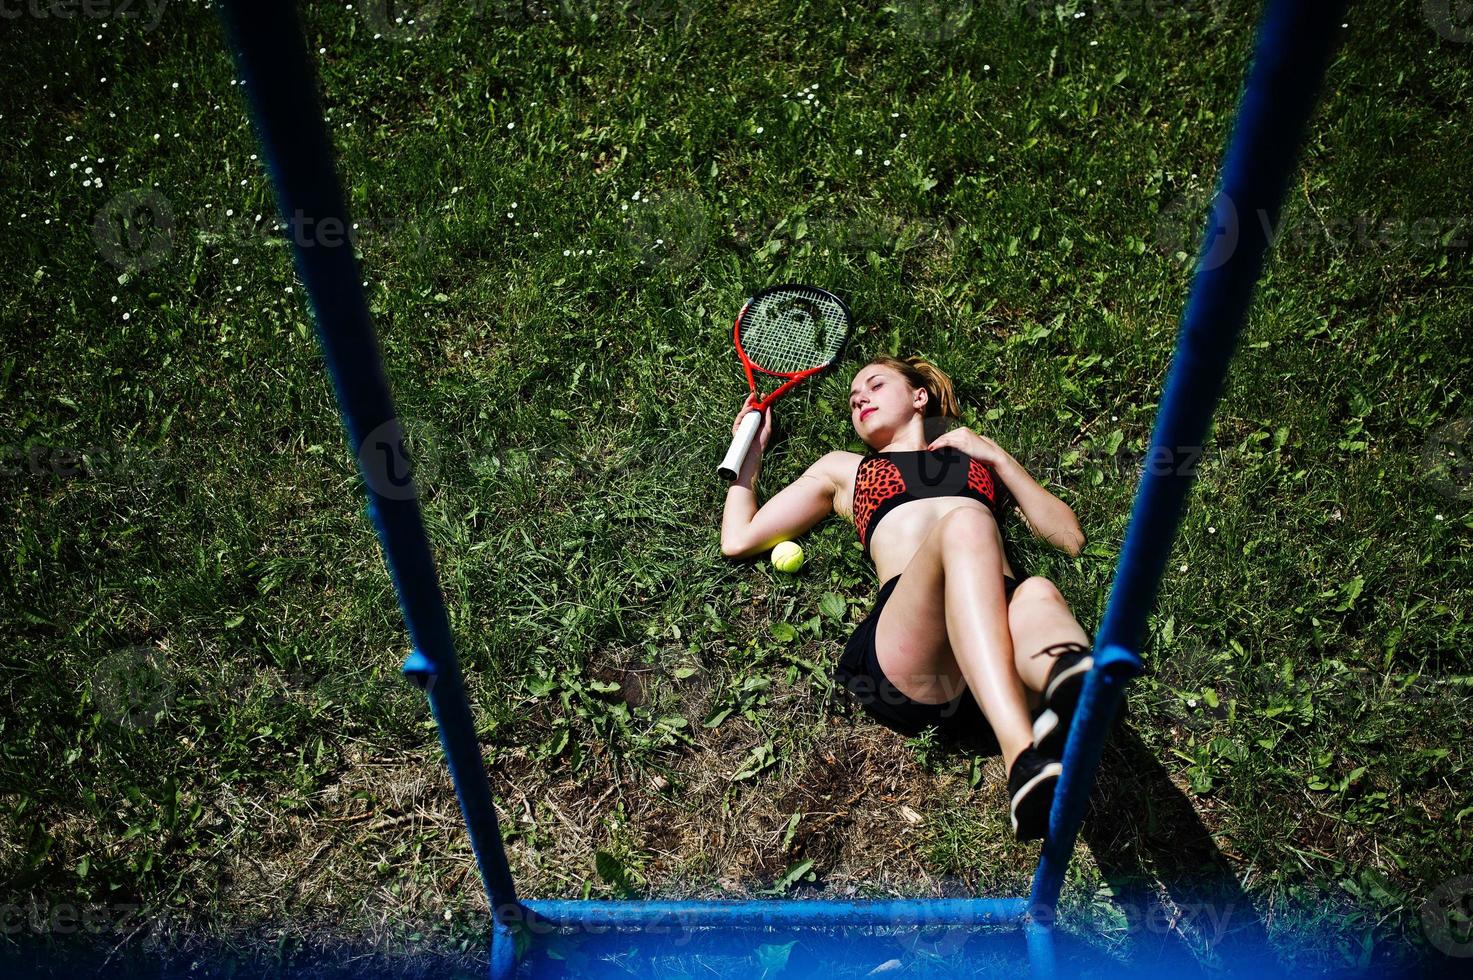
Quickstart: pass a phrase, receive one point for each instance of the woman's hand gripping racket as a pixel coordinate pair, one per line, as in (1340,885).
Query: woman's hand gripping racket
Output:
(791,331)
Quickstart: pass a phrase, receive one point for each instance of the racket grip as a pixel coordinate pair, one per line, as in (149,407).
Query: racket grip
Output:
(741,444)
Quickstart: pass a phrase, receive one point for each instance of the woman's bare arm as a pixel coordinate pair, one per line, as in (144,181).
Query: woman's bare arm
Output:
(747,530)
(1047,516)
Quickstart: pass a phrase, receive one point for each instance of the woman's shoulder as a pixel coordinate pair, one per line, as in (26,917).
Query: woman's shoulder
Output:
(838,466)
(840,462)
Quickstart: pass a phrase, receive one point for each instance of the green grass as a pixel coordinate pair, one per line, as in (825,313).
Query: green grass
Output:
(202,709)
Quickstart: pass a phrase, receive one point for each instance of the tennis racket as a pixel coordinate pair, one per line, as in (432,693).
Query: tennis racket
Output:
(791,331)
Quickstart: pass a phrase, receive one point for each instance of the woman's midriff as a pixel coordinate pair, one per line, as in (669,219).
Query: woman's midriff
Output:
(896,539)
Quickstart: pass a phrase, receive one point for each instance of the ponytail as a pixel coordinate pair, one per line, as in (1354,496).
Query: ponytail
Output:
(921,373)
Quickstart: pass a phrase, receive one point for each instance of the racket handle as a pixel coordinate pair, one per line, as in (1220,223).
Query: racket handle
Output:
(741,444)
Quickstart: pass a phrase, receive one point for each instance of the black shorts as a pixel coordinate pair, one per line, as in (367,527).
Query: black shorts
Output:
(960,719)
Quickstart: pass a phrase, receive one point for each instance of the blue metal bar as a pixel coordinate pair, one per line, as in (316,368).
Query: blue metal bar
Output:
(272,57)
(1038,932)
(1294,41)
(547,914)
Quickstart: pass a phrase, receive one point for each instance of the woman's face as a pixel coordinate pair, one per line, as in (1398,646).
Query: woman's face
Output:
(881,401)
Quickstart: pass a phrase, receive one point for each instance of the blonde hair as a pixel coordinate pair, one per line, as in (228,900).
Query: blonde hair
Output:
(921,373)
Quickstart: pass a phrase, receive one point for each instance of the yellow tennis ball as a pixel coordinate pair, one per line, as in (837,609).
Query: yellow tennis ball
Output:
(787,557)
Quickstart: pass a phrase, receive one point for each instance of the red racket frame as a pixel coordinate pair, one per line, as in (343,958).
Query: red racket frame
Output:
(754,403)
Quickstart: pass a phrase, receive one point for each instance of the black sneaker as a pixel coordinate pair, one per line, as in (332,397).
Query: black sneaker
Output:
(1060,698)
(1031,784)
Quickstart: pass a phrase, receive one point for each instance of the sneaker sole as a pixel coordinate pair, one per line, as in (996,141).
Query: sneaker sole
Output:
(1032,803)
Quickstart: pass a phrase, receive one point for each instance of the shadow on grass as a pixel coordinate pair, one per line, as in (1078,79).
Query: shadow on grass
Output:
(1177,892)
(1181,897)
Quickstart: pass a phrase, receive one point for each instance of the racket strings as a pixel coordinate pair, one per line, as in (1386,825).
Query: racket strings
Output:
(790,331)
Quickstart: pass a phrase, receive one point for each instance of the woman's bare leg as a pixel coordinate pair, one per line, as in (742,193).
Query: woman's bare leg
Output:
(947,624)
(1039,619)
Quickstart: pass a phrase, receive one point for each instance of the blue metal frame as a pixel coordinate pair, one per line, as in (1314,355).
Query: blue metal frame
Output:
(1293,46)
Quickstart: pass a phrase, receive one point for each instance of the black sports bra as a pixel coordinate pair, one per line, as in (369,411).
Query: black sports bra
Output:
(884,481)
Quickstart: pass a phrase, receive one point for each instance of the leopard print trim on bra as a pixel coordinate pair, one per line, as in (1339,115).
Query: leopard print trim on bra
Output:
(884,481)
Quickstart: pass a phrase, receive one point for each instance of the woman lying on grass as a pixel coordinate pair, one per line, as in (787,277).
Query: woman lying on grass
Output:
(954,640)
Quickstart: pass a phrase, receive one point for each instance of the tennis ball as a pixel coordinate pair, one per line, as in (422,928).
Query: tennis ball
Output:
(787,557)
